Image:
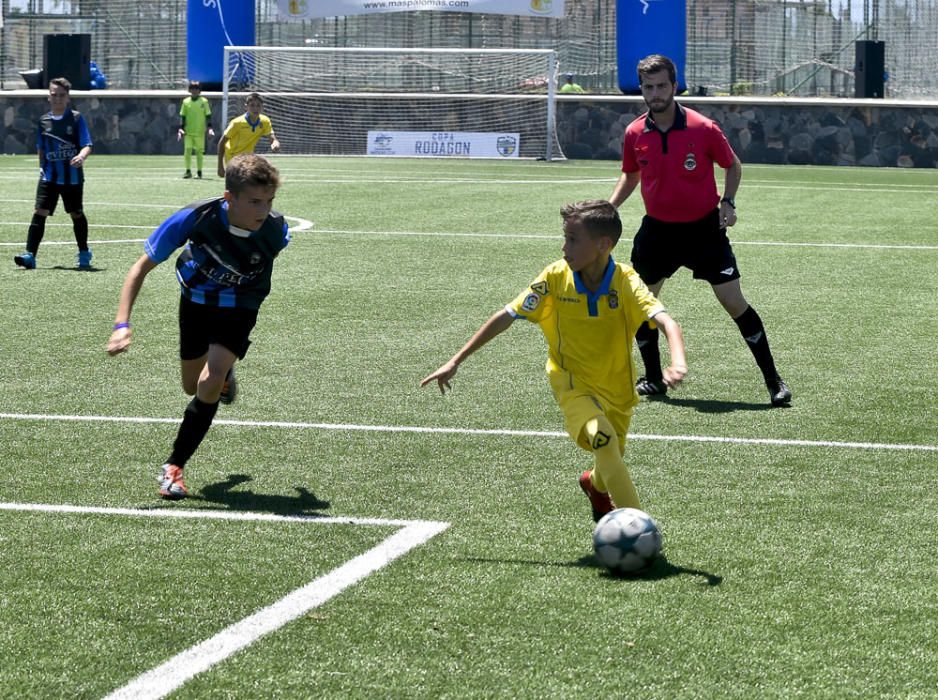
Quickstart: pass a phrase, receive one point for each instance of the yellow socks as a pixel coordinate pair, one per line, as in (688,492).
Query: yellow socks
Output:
(610,473)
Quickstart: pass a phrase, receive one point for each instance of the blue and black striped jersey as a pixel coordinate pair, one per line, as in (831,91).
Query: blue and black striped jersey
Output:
(58,140)
(220,265)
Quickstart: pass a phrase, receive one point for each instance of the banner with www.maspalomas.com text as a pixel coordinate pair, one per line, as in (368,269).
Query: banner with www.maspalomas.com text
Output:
(310,9)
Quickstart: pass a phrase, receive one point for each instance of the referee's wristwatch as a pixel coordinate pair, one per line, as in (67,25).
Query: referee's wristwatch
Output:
(730,201)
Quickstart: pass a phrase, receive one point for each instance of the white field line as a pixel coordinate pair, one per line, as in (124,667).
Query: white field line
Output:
(299,425)
(556,237)
(162,680)
(395,179)
(306,225)
(300,225)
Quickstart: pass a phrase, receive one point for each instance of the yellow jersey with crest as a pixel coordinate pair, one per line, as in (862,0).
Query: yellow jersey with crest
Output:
(243,134)
(589,334)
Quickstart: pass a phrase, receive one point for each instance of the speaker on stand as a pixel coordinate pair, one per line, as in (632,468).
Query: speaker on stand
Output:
(870,71)
(67,56)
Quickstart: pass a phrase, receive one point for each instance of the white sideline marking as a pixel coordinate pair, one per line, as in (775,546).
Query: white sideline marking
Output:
(475,431)
(170,675)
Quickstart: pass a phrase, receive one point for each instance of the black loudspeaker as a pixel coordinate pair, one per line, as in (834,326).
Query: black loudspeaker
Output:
(870,71)
(67,56)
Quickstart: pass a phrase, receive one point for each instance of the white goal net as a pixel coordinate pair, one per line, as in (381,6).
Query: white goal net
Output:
(367,101)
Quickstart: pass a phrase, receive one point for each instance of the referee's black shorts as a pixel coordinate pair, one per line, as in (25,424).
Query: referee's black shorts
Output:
(661,248)
(48,193)
(201,325)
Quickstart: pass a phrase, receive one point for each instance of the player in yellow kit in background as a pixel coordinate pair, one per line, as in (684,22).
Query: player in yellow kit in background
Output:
(243,133)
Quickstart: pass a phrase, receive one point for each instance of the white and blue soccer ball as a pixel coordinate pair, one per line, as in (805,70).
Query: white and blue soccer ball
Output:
(626,540)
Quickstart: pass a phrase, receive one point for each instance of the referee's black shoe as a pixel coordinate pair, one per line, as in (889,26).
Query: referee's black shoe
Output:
(779,393)
(650,387)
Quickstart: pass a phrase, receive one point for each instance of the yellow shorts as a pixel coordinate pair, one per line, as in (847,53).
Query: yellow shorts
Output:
(579,406)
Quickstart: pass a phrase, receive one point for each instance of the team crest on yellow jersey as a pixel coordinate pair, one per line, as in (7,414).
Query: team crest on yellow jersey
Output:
(613,299)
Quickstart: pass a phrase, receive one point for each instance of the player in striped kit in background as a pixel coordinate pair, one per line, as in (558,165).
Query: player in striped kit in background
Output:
(64,144)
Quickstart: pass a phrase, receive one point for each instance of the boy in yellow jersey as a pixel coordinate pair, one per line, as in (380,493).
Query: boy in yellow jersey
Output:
(243,133)
(195,116)
(588,307)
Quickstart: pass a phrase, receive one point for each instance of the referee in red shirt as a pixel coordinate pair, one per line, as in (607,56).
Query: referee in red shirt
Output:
(671,150)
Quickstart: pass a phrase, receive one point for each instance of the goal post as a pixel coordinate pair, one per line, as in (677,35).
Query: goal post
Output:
(498,103)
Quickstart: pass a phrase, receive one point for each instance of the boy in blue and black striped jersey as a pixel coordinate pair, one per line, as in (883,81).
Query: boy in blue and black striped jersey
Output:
(224,274)
(63,143)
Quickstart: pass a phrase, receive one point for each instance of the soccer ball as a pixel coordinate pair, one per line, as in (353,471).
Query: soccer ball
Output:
(626,540)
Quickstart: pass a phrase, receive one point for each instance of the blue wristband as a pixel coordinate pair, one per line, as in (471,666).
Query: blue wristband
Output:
(123,324)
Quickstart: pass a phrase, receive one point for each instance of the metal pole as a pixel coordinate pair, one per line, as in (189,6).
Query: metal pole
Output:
(3,13)
(732,46)
(551,106)
(224,91)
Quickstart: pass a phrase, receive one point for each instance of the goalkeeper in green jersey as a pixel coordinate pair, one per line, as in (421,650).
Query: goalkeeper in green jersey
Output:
(195,116)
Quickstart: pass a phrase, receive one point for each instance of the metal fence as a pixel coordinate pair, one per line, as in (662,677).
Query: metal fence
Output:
(758,47)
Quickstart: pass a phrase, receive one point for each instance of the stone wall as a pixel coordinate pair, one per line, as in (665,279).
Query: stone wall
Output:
(761,130)
(120,122)
(798,132)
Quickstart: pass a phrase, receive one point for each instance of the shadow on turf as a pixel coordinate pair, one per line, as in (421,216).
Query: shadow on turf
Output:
(660,569)
(75,269)
(710,406)
(224,493)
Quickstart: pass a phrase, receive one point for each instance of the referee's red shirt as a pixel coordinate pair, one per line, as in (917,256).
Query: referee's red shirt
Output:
(677,165)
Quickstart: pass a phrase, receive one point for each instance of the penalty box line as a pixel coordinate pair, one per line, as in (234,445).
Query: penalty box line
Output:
(162,680)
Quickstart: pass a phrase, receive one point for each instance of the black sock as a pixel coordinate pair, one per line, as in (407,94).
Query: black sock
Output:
(195,424)
(80,225)
(753,332)
(37,229)
(647,340)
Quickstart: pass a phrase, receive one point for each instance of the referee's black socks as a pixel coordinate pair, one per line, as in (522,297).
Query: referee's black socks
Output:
(753,332)
(646,338)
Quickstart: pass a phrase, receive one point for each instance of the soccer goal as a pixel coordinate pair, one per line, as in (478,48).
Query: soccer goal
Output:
(408,102)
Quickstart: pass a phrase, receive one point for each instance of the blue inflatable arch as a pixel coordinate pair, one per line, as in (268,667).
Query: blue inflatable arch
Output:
(211,26)
(645,27)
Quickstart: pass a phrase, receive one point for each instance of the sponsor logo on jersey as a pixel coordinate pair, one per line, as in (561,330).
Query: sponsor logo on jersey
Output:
(62,154)
(613,299)
(530,302)
(728,271)
(540,287)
